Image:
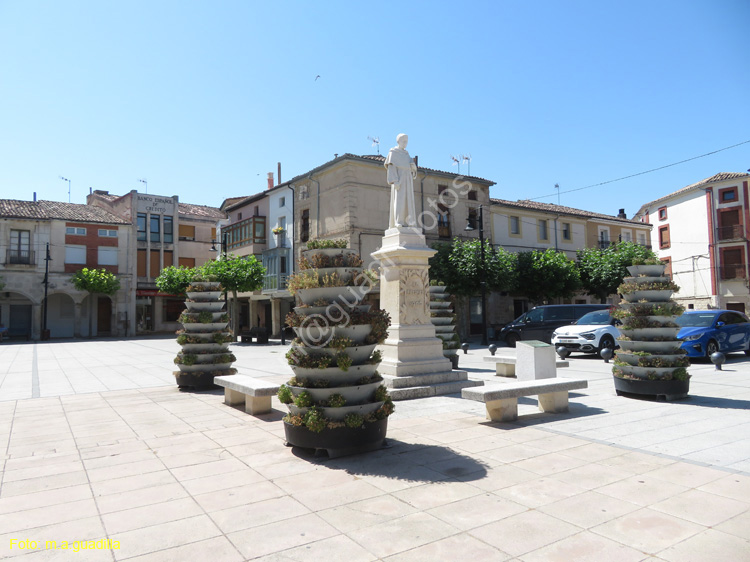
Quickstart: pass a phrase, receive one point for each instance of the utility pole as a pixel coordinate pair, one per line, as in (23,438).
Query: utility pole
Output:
(144,181)
(67,180)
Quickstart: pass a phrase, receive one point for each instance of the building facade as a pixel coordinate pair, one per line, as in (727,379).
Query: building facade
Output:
(164,232)
(46,242)
(702,232)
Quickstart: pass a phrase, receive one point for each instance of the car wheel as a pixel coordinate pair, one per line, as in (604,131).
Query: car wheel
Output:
(747,352)
(512,340)
(606,341)
(711,348)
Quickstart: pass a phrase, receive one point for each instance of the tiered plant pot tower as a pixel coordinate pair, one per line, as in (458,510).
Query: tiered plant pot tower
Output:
(650,360)
(204,338)
(444,320)
(337,401)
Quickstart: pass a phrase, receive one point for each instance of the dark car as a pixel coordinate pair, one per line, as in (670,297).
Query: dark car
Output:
(539,322)
(704,332)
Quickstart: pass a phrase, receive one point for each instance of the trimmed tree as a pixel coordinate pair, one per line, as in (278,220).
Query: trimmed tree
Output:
(95,281)
(546,275)
(602,270)
(237,274)
(174,280)
(459,266)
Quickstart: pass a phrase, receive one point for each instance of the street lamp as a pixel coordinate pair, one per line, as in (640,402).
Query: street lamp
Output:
(482,283)
(224,243)
(47,259)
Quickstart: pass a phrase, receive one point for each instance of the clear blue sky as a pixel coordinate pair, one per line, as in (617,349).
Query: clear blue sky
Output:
(203,98)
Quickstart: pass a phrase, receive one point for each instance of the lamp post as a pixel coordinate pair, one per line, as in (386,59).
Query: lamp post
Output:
(224,244)
(67,180)
(482,283)
(47,259)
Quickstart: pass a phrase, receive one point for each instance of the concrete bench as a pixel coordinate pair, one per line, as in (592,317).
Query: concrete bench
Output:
(502,400)
(254,393)
(506,366)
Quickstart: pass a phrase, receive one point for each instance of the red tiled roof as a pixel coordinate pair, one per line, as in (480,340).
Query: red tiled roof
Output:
(722,176)
(560,209)
(48,210)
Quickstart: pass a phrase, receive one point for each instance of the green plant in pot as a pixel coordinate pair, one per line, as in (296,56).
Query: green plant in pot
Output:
(650,361)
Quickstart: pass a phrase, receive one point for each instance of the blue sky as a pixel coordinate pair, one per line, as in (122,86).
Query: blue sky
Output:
(203,98)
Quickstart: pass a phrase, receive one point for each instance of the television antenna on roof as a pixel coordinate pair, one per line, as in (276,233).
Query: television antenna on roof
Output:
(144,181)
(375,142)
(456,162)
(467,158)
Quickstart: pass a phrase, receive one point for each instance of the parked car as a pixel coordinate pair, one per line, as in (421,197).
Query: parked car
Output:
(539,322)
(591,333)
(704,332)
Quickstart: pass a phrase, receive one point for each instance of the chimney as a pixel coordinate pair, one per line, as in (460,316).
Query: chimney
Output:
(35,197)
(270,180)
(621,214)
(278,173)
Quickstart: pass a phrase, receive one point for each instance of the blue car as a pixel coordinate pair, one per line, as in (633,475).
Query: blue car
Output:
(704,332)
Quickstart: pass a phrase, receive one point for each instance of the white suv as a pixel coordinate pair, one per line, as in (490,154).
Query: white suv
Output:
(590,334)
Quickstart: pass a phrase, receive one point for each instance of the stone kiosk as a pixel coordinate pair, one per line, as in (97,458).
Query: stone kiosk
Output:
(413,364)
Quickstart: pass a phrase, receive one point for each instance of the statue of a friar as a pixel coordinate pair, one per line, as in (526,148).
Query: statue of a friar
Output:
(401,173)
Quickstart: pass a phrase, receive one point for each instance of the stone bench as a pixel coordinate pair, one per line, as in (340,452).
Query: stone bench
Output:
(502,400)
(254,393)
(506,366)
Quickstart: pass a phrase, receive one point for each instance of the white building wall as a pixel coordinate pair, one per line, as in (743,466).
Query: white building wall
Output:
(275,213)
(529,239)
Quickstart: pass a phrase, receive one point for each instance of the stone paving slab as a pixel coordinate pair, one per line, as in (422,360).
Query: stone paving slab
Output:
(181,476)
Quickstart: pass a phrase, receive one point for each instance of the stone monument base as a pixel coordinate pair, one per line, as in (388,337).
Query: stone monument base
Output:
(413,364)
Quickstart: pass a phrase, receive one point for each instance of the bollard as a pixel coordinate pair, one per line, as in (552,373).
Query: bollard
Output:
(606,354)
(562,352)
(493,349)
(718,358)
(465,347)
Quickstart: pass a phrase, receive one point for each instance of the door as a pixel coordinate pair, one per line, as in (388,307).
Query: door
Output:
(104,317)
(533,327)
(734,332)
(19,323)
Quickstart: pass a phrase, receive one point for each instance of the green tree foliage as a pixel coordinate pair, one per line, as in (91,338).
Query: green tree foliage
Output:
(546,275)
(174,280)
(459,266)
(236,274)
(602,270)
(98,281)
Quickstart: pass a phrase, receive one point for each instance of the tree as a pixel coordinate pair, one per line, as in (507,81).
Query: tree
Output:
(95,281)
(174,280)
(459,266)
(602,270)
(546,275)
(236,274)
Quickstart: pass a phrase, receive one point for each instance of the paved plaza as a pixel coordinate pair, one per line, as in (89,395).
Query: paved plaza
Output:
(97,444)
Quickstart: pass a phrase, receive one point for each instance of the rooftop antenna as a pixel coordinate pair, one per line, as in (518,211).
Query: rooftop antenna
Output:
(467,158)
(67,180)
(557,187)
(375,142)
(144,181)
(456,162)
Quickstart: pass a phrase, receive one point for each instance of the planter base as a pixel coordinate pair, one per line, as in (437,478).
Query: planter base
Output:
(340,441)
(194,381)
(661,390)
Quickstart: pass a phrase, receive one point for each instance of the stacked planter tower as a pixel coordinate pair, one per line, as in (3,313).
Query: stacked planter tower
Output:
(650,360)
(336,399)
(204,338)
(442,317)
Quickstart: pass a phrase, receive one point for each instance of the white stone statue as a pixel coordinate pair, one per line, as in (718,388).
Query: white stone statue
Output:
(401,173)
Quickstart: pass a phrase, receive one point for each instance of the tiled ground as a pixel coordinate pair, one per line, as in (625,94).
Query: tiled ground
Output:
(181,476)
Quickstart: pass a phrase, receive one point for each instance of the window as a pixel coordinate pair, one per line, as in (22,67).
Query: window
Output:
(566,232)
(104,233)
(168,258)
(282,222)
(187,262)
(20,246)
(106,256)
(239,216)
(515,226)
(626,236)
(728,195)
(729,224)
(282,201)
(155,264)
(168,230)
(256,211)
(155,228)
(668,269)
(75,254)
(187,232)
(664,237)
(75,230)
(473,218)
(662,213)
(732,266)
(259,234)
(543,229)
(304,235)
(172,309)
(603,237)
(142,227)
(304,192)
(141,263)
(642,238)
(472,195)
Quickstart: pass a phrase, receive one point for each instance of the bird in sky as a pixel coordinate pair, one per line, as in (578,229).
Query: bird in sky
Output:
(316,78)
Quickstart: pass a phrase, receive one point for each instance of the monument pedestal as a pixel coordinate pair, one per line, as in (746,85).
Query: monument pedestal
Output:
(413,363)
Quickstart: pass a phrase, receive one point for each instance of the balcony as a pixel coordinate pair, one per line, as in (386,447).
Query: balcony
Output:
(20,257)
(732,232)
(246,232)
(274,282)
(732,271)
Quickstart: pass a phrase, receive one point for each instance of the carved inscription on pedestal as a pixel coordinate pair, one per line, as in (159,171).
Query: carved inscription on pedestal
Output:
(414,297)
